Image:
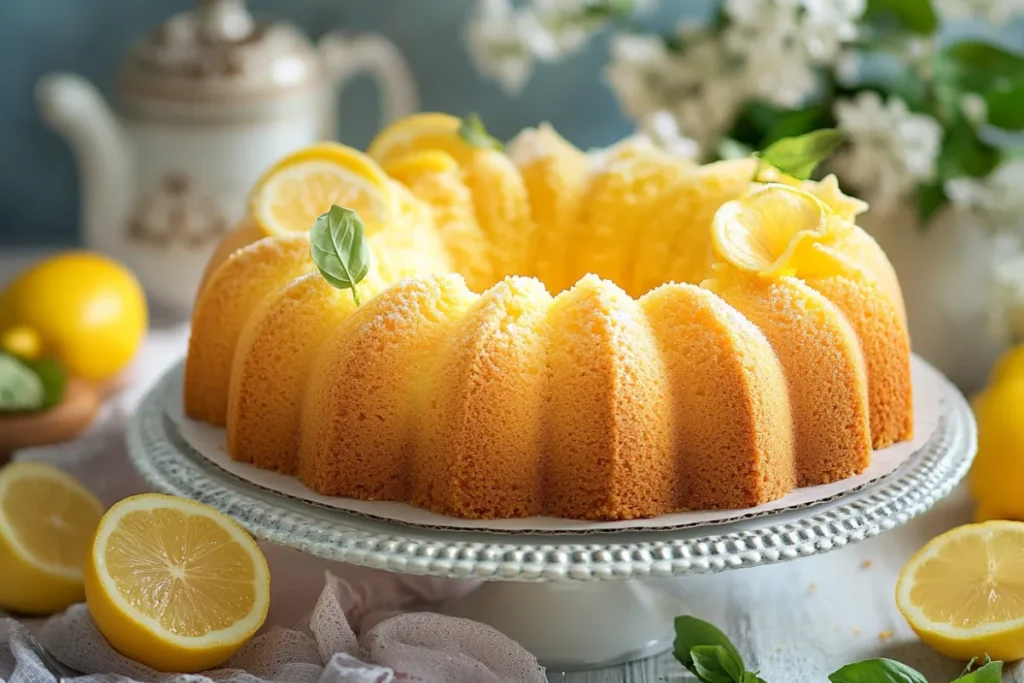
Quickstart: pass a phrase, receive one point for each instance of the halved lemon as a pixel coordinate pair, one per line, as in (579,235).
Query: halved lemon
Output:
(771,231)
(47,519)
(175,584)
(963,593)
(302,186)
(417,133)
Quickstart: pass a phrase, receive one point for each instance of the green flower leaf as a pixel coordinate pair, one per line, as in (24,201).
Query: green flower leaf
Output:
(917,15)
(1005,101)
(54,378)
(963,153)
(992,672)
(799,156)
(977,64)
(877,671)
(715,664)
(793,123)
(474,133)
(930,198)
(20,388)
(692,632)
(339,248)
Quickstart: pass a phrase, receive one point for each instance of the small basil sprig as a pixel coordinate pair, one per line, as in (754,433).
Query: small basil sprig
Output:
(710,656)
(799,156)
(339,248)
(708,653)
(474,133)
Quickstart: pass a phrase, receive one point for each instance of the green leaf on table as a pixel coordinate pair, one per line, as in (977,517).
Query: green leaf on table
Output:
(963,153)
(752,677)
(474,133)
(799,156)
(930,198)
(692,632)
(916,15)
(992,672)
(1005,102)
(54,378)
(715,664)
(339,248)
(20,388)
(876,671)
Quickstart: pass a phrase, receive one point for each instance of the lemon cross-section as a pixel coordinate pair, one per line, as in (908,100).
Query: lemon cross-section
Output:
(175,584)
(46,522)
(963,593)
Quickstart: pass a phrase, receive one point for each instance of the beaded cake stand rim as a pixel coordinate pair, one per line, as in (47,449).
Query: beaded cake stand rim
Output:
(927,476)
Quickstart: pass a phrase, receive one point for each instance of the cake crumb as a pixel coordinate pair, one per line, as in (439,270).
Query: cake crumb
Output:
(866,564)
(885,635)
(813,587)
(856,631)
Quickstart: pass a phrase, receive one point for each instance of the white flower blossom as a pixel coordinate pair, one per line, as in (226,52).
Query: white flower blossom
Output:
(495,40)
(696,86)
(997,198)
(781,41)
(975,108)
(995,12)
(891,148)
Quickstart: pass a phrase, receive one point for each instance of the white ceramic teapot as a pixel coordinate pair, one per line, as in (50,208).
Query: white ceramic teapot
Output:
(206,103)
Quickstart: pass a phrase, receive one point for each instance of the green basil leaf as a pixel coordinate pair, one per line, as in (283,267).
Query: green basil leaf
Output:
(54,378)
(20,388)
(990,673)
(930,198)
(714,664)
(963,153)
(474,133)
(876,671)
(339,248)
(692,632)
(1005,101)
(917,15)
(799,156)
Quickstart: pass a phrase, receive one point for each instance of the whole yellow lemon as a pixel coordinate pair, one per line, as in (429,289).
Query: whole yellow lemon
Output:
(89,310)
(997,477)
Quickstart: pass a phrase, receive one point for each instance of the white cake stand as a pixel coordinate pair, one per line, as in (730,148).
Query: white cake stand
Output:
(574,600)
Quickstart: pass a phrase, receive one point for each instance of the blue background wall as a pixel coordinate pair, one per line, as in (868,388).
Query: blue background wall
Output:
(38,179)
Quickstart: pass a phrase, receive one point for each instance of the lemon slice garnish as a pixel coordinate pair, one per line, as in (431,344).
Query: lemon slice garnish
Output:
(772,231)
(302,186)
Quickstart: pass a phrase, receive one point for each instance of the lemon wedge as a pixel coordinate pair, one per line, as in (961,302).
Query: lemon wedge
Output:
(302,186)
(47,520)
(963,593)
(175,584)
(417,133)
(771,231)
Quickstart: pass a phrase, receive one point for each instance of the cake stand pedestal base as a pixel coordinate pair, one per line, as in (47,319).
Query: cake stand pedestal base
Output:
(577,625)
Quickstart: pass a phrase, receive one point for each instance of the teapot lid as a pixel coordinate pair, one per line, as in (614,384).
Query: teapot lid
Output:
(218,52)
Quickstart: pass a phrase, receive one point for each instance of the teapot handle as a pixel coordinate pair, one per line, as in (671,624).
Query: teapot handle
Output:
(347,56)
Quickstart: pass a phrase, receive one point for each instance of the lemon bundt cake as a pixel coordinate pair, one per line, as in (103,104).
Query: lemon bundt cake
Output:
(550,332)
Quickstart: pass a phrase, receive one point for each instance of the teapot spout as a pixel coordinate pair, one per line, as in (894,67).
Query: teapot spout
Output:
(75,108)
